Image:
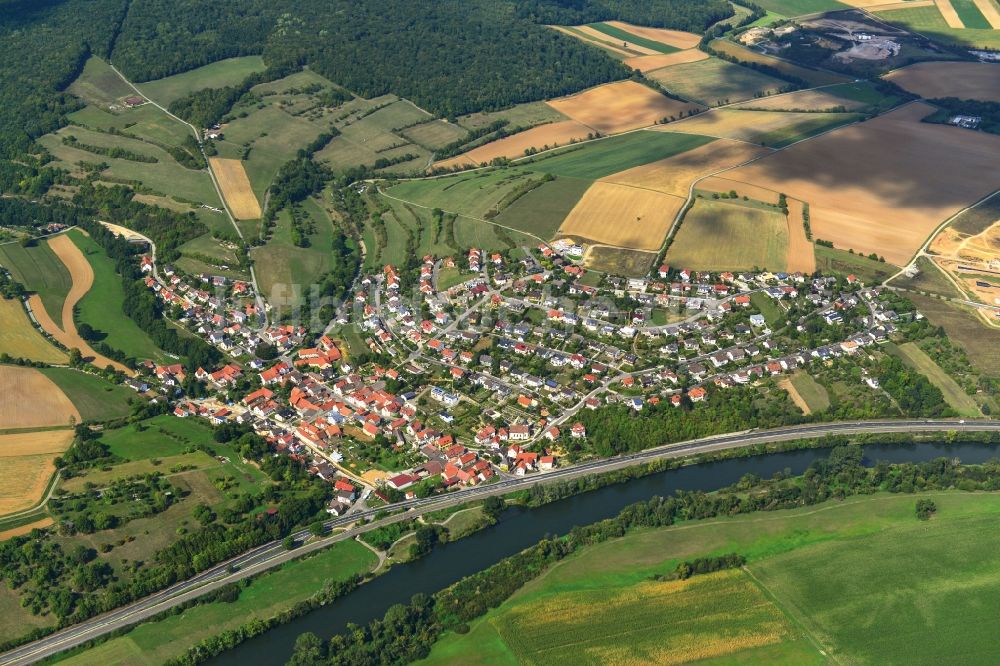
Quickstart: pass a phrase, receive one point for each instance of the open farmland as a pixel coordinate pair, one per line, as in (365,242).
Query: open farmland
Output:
(713,82)
(773,129)
(26,466)
(40,271)
(20,339)
(236,188)
(32,400)
(651,62)
(100,303)
(228,72)
(814,77)
(473,194)
(678,39)
(965,80)
(935,171)
(619,261)
(539,138)
(675,175)
(801,7)
(801,254)
(928,21)
(804,100)
(623,216)
(860,580)
(618,107)
(99,85)
(519,115)
(434,134)
(730,236)
(602,158)
(543,209)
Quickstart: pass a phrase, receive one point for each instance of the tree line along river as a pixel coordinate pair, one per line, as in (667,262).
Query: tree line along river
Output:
(519,528)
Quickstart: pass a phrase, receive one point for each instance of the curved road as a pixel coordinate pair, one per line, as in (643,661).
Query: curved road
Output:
(272,554)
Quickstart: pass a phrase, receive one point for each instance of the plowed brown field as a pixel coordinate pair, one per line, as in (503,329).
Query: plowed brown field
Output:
(965,80)
(551,135)
(650,62)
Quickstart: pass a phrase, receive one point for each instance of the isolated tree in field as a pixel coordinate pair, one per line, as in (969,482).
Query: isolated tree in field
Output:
(926,508)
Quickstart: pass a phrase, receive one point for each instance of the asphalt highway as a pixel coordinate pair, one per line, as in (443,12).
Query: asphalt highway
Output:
(273,554)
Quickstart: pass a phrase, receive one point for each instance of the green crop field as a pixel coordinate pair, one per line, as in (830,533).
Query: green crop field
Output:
(99,85)
(861,579)
(811,391)
(20,339)
(96,399)
(957,398)
(721,236)
(101,307)
(543,209)
(929,22)
(714,82)
(814,77)
(602,158)
(216,75)
(864,92)
(970,14)
(799,7)
(626,36)
(157,642)
(40,271)
(832,260)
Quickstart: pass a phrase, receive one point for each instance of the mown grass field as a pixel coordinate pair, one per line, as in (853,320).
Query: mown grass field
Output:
(607,156)
(216,75)
(811,391)
(40,271)
(19,337)
(285,271)
(861,579)
(724,236)
(929,22)
(541,211)
(832,260)
(714,82)
(473,194)
(156,642)
(864,92)
(99,85)
(96,399)
(101,307)
(774,315)
(160,436)
(957,399)
(964,328)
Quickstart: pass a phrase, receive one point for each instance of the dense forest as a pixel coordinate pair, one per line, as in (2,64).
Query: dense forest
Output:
(449,56)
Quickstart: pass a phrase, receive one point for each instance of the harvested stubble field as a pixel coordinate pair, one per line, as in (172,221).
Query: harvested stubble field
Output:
(881,186)
(675,38)
(623,216)
(675,175)
(19,337)
(82,274)
(621,106)
(965,80)
(804,100)
(767,128)
(515,145)
(236,188)
(949,14)
(801,253)
(730,236)
(713,82)
(32,400)
(649,63)
(596,34)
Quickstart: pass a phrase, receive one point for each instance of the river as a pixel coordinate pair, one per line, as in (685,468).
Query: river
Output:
(520,528)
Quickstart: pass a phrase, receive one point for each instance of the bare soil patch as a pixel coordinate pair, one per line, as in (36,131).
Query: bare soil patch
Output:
(513,146)
(32,400)
(623,216)
(965,80)
(881,186)
(618,107)
(236,188)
